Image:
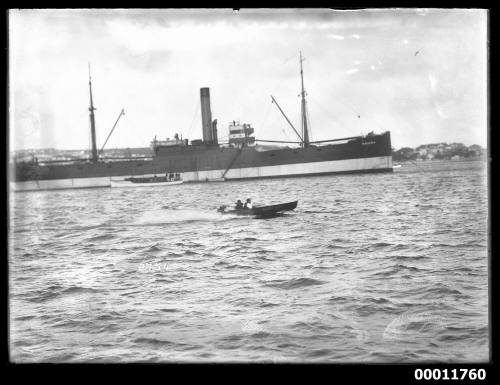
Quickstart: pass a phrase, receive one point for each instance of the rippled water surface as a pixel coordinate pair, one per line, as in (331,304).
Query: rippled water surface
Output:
(368,268)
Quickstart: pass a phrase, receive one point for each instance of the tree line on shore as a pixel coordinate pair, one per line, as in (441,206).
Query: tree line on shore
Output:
(438,151)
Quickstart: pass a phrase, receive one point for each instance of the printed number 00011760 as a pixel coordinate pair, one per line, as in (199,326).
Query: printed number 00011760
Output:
(453,374)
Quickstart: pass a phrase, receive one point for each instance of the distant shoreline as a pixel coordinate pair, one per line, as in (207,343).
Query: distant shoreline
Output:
(469,159)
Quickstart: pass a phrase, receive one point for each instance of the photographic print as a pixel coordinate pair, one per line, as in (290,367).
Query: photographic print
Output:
(252,185)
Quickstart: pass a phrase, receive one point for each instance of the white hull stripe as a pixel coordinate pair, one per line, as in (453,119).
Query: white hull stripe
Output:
(61,184)
(311,168)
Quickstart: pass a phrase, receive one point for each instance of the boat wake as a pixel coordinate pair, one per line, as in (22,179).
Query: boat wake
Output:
(169,216)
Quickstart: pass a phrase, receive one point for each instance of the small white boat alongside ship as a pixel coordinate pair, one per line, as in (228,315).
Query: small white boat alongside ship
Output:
(169,179)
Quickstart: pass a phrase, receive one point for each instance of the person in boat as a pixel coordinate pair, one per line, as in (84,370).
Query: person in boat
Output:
(239,205)
(248,204)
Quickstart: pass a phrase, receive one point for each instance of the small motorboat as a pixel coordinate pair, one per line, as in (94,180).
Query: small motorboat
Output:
(261,211)
(167,180)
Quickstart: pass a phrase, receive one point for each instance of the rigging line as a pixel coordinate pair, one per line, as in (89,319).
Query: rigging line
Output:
(90,145)
(276,141)
(279,85)
(345,104)
(340,100)
(323,108)
(288,80)
(415,163)
(336,119)
(371,118)
(286,118)
(328,114)
(265,116)
(194,117)
(282,129)
(308,124)
(122,112)
(272,122)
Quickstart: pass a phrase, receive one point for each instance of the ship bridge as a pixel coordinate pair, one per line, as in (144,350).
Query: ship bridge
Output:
(240,134)
(176,141)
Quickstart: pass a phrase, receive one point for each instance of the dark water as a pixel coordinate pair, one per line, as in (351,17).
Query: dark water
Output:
(368,268)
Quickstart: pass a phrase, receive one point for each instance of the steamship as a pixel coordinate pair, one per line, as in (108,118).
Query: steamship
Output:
(205,160)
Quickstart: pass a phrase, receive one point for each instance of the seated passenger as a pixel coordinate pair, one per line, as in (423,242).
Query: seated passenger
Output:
(248,204)
(239,205)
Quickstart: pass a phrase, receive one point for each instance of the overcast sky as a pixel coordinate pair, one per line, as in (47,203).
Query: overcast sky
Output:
(422,74)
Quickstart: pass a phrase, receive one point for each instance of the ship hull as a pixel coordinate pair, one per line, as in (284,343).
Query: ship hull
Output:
(208,162)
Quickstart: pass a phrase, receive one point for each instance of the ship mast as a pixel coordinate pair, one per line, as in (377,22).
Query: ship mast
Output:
(92,122)
(305,131)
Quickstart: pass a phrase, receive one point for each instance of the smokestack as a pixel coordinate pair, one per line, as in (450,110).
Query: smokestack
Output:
(206,115)
(214,132)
